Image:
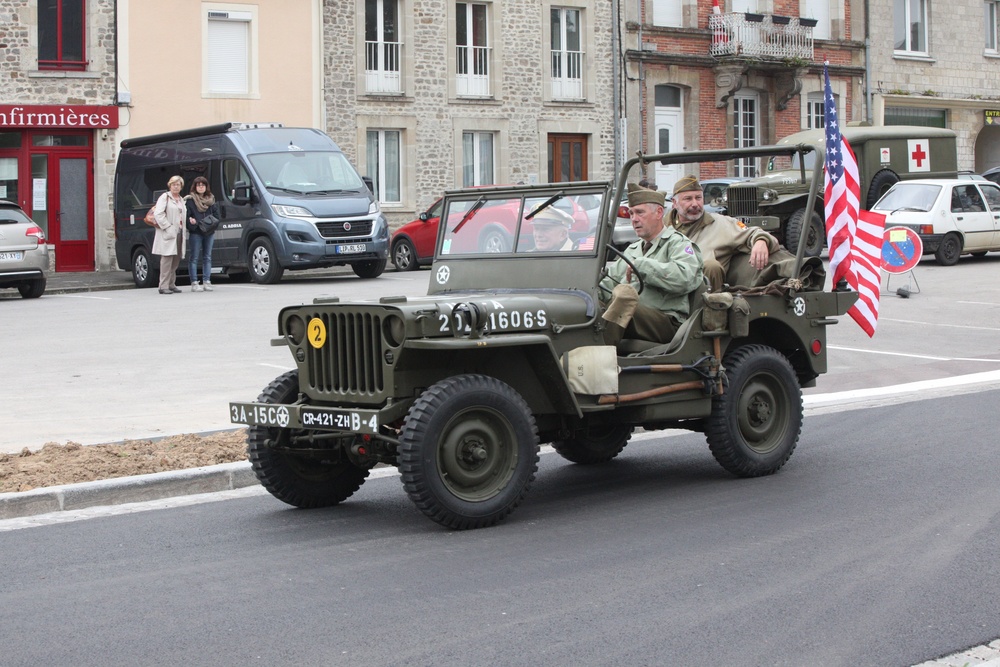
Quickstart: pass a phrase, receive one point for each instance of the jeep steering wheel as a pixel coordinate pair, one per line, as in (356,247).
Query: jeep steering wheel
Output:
(635,271)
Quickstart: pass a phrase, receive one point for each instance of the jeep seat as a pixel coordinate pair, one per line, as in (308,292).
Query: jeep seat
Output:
(631,346)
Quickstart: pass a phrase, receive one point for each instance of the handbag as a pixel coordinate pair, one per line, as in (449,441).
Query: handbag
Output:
(208,224)
(150,219)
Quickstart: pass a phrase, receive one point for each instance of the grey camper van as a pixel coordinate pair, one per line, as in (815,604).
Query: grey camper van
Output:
(288,199)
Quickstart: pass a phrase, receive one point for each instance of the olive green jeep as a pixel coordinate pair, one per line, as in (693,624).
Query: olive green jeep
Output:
(458,388)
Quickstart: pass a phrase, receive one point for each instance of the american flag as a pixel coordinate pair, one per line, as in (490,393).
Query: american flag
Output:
(855,246)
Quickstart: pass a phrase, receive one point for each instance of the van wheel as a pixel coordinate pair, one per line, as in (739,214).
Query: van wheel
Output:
(881,183)
(949,251)
(264,266)
(814,233)
(143,273)
(370,268)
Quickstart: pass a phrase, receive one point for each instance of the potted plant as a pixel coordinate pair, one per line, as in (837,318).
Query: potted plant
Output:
(808,23)
(754,18)
(780,20)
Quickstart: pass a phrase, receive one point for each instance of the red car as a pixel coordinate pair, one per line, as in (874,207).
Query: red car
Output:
(412,245)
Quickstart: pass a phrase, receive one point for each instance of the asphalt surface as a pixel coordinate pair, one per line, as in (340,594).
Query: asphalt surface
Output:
(226,477)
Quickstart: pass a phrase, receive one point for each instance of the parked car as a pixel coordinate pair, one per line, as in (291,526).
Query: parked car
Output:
(952,216)
(24,257)
(992,175)
(972,176)
(412,245)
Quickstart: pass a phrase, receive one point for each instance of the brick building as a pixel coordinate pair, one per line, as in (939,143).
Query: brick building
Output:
(746,76)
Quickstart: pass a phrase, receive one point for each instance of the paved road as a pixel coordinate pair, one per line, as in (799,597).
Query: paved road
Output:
(876,545)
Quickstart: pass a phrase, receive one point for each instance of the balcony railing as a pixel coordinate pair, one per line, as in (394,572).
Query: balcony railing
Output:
(760,36)
(567,75)
(382,61)
(473,66)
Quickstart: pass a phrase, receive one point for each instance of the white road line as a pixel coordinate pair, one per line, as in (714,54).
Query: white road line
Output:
(78,296)
(281,368)
(979,303)
(913,356)
(938,324)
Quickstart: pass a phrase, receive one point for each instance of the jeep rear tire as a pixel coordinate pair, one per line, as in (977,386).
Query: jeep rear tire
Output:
(814,233)
(755,424)
(468,451)
(598,444)
(304,481)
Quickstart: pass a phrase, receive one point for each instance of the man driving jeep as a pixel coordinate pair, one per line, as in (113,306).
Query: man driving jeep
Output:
(670,267)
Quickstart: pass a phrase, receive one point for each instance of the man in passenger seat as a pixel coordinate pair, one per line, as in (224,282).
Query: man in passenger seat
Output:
(670,266)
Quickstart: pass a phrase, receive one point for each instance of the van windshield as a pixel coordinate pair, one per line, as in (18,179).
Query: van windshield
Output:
(306,172)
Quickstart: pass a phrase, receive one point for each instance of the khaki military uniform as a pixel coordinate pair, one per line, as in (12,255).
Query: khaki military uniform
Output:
(721,239)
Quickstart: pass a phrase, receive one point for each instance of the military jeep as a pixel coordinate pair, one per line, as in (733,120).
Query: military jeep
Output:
(458,388)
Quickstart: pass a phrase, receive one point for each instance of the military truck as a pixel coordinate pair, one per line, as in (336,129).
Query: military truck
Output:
(458,388)
(886,154)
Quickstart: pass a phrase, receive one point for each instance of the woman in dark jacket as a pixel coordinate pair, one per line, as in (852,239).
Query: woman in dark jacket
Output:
(201,203)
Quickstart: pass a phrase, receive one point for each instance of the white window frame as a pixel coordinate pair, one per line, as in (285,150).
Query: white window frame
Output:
(822,11)
(567,67)
(379,164)
(815,108)
(668,13)
(386,76)
(219,66)
(746,107)
(991,11)
(908,22)
(477,159)
(475,59)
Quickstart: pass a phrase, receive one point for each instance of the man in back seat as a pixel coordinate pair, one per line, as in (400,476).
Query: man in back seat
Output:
(670,266)
(722,239)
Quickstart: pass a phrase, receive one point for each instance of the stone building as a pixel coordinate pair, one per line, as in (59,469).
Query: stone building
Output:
(58,117)
(938,63)
(745,76)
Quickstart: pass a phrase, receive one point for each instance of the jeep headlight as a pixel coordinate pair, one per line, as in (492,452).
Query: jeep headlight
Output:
(769,195)
(295,328)
(291,211)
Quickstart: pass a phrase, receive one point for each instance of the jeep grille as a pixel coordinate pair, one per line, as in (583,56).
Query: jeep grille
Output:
(351,361)
(340,228)
(741,201)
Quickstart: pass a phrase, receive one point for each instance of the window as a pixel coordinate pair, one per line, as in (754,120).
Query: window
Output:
(567,157)
(228,53)
(668,13)
(382,46)
(990,22)
(819,10)
(922,117)
(745,132)
(910,25)
(472,58)
(61,30)
(384,164)
(815,108)
(233,172)
(567,57)
(477,158)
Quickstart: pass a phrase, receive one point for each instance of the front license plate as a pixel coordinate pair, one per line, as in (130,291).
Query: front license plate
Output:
(351,249)
(308,417)
(11,256)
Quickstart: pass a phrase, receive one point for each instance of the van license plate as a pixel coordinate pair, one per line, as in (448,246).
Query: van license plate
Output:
(11,256)
(350,249)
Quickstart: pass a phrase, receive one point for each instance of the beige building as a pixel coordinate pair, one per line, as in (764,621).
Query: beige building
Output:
(937,63)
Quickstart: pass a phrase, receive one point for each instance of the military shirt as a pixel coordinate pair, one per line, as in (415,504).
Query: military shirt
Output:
(670,271)
(720,237)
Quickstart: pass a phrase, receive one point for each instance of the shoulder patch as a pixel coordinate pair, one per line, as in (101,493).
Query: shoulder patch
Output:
(688,249)
(740,223)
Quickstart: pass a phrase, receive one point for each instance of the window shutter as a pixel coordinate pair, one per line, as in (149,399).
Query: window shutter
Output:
(228,56)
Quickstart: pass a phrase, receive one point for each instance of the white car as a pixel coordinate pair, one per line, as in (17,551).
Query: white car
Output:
(952,216)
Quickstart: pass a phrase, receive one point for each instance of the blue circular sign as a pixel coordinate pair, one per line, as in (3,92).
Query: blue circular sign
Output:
(901,249)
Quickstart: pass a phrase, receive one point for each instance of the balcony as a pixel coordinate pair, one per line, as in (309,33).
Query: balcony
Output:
(382,61)
(761,36)
(473,65)
(567,75)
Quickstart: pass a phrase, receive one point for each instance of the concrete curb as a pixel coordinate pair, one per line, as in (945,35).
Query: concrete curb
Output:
(117,491)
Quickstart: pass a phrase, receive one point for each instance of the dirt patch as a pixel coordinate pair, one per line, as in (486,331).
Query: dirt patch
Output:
(56,464)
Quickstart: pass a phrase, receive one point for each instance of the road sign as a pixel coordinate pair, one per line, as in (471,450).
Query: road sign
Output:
(901,249)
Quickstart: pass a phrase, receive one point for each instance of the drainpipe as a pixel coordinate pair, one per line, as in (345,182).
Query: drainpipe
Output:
(642,85)
(868,69)
(616,79)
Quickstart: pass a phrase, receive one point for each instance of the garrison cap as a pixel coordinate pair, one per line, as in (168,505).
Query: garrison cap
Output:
(687,183)
(640,195)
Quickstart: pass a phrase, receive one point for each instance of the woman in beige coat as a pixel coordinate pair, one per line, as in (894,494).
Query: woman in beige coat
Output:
(170,241)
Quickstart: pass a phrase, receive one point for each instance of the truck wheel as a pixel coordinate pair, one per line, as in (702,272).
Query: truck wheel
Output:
(755,424)
(32,289)
(370,268)
(143,273)
(404,256)
(880,184)
(468,451)
(264,266)
(950,250)
(494,240)
(814,233)
(599,444)
(302,481)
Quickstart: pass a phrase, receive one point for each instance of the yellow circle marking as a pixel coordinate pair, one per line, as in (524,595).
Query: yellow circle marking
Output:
(316,332)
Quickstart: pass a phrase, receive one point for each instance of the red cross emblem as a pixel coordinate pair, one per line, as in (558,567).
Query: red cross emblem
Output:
(918,155)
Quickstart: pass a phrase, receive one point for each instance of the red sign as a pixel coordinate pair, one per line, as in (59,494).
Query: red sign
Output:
(901,249)
(64,116)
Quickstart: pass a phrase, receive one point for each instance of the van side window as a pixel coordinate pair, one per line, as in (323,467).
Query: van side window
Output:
(233,172)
